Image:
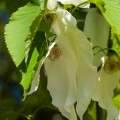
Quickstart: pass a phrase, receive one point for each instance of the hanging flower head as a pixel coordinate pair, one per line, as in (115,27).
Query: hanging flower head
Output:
(108,78)
(61,70)
(71,75)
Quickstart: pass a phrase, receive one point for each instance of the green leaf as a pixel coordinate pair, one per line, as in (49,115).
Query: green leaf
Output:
(41,44)
(111,11)
(18,31)
(116,101)
(45,26)
(27,77)
(33,29)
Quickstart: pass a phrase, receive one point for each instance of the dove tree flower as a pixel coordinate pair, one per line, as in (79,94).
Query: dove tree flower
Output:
(107,80)
(61,68)
(71,77)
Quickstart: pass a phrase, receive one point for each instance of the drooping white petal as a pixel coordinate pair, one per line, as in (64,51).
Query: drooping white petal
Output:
(62,78)
(86,73)
(60,24)
(97,30)
(103,92)
(51,4)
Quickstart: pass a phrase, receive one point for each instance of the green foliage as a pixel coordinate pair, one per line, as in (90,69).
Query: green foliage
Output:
(41,43)
(27,77)
(38,51)
(18,31)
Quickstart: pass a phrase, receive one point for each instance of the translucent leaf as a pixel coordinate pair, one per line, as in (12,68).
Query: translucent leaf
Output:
(18,30)
(27,77)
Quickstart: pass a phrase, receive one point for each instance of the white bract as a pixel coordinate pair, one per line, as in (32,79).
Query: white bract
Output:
(97,33)
(71,77)
(53,3)
(106,83)
(61,70)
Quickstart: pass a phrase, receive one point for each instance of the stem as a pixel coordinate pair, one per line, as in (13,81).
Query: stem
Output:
(78,6)
(101,50)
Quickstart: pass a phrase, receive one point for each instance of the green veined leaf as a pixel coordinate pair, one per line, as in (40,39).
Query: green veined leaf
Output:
(27,77)
(18,30)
